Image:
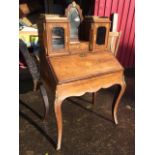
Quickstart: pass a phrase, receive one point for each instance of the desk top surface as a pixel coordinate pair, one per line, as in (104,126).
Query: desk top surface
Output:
(77,67)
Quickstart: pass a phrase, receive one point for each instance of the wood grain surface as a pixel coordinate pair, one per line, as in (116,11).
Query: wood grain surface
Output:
(76,67)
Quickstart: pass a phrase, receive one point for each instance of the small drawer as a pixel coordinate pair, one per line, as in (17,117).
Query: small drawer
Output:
(74,46)
(84,46)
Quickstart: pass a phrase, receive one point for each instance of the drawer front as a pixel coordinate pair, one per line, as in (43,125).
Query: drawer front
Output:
(79,47)
(84,46)
(74,46)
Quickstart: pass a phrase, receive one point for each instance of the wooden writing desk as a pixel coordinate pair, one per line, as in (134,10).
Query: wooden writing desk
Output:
(75,75)
(72,69)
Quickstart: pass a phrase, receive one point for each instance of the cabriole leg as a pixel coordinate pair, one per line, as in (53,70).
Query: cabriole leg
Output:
(58,114)
(117,101)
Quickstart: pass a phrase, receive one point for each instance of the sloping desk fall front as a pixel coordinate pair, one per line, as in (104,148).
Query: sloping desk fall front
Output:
(74,75)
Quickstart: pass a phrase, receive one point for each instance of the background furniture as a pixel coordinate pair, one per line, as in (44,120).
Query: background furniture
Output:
(113,42)
(37,83)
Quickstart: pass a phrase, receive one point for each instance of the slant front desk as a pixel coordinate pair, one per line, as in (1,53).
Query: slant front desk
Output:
(75,59)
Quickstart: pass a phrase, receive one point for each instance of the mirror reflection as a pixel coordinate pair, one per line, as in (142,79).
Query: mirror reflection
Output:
(58,38)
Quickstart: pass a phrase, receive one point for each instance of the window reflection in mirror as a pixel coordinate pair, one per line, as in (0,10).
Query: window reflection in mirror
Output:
(101,34)
(58,38)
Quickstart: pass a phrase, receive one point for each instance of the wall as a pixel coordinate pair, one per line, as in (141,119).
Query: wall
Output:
(126,24)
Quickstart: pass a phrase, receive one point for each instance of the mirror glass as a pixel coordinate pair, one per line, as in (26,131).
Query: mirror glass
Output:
(58,39)
(101,34)
(74,19)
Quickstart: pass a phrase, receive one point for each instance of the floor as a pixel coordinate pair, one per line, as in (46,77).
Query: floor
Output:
(87,129)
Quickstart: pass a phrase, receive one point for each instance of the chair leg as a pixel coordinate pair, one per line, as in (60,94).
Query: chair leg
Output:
(94,97)
(117,101)
(58,113)
(46,102)
(35,85)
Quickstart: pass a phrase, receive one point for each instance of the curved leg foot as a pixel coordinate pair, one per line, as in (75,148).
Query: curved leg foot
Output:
(58,113)
(117,101)
(94,97)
